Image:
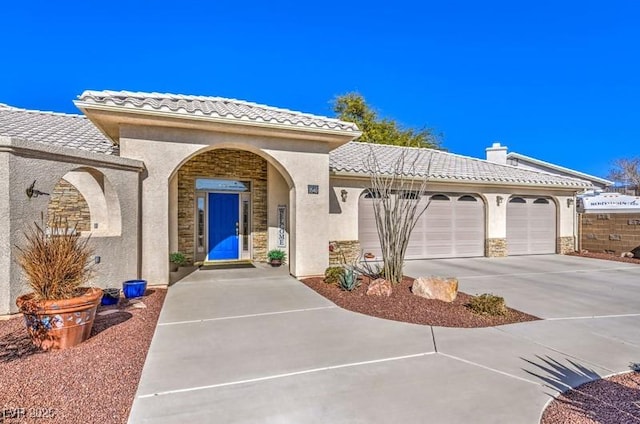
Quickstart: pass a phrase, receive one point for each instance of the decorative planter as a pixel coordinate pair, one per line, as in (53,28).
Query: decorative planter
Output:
(275,262)
(59,324)
(110,296)
(134,288)
(173,267)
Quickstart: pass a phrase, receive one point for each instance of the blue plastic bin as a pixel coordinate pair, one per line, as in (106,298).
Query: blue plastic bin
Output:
(134,288)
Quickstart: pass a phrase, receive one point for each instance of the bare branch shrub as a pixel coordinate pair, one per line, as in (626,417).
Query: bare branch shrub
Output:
(396,191)
(57,263)
(626,172)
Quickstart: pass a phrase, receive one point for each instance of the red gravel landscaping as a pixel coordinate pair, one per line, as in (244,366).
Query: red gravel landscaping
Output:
(404,306)
(608,401)
(94,382)
(605,256)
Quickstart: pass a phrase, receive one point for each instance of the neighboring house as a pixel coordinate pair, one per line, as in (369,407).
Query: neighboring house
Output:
(498,154)
(147,174)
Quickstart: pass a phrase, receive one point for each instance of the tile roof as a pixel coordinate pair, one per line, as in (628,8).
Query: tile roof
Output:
(58,129)
(351,158)
(215,107)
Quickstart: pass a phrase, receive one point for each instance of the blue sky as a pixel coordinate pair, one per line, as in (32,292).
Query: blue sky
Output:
(556,80)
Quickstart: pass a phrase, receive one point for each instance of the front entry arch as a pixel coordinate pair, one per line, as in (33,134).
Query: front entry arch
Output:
(221,206)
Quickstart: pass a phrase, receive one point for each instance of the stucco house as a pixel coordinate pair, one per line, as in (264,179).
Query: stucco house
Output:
(219,179)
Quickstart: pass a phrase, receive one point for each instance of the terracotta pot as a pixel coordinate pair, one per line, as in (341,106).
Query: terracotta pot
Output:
(173,267)
(59,324)
(275,262)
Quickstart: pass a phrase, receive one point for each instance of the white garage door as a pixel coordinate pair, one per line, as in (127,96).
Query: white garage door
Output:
(531,226)
(451,227)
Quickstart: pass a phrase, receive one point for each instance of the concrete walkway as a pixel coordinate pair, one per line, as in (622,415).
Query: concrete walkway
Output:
(257,346)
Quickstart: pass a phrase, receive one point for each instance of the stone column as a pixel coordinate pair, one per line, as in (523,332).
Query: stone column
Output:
(496,233)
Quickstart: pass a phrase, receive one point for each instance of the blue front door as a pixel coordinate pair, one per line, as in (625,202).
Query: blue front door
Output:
(223,226)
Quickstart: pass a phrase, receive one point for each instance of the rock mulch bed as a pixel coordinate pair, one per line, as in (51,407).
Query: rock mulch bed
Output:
(94,382)
(404,306)
(611,400)
(605,256)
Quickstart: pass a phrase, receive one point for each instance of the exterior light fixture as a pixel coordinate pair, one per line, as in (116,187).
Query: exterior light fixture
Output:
(343,195)
(569,202)
(32,192)
(499,200)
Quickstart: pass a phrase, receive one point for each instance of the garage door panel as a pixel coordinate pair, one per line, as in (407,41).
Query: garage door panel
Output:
(531,226)
(448,228)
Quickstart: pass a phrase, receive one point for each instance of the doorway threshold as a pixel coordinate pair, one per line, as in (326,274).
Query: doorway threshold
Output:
(243,263)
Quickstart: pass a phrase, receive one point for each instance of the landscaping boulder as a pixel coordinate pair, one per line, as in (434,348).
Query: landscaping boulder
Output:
(379,287)
(439,288)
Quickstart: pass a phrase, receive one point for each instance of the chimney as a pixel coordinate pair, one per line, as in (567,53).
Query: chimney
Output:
(497,154)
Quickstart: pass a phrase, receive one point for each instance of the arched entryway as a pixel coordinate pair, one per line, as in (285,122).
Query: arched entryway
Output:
(229,204)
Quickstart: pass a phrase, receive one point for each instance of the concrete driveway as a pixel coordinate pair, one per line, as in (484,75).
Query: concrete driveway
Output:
(255,345)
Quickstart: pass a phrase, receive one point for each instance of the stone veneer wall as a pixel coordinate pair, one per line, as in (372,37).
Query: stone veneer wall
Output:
(565,245)
(496,248)
(610,232)
(350,249)
(68,205)
(223,163)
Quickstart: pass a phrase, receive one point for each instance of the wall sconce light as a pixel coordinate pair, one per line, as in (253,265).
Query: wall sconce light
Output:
(569,202)
(499,200)
(32,192)
(343,195)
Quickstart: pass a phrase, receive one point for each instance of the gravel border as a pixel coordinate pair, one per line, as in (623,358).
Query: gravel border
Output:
(94,382)
(612,400)
(404,306)
(605,256)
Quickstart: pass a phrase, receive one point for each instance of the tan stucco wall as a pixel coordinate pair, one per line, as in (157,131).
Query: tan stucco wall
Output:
(119,254)
(299,162)
(223,163)
(278,194)
(6,251)
(343,215)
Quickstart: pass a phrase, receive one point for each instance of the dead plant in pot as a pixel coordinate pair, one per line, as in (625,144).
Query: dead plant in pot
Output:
(59,311)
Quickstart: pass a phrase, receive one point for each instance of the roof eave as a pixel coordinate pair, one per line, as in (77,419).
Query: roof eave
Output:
(363,175)
(97,112)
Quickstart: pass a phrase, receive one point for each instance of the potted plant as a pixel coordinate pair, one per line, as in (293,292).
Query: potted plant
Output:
(59,311)
(276,257)
(177,260)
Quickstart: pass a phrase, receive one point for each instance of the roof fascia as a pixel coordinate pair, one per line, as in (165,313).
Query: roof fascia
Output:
(355,175)
(558,168)
(154,117)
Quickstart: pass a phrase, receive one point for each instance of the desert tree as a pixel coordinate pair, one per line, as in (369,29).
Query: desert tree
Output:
(352,107)
(398,193)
